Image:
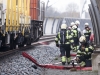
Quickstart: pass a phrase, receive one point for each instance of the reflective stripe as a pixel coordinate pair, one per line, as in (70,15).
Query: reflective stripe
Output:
(70,36)
(77,55)
(68,59)
(56,39)
(77,47)
(91,47)
(89,53)
(86,35)
(89,30)
(63,59)
(82,64)
(78,51)
(83,53)
(67,35)
(67,43)
(86,49)
(75,33)
(71,41)
(59,35)
(72,47)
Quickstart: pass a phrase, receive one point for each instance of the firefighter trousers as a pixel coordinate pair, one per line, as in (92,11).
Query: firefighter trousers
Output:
(65,50)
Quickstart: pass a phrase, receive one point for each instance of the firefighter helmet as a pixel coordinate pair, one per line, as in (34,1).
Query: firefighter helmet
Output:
(72,23)
(86,24)
(63,26)
(77,22)
(82,39)
(74,27)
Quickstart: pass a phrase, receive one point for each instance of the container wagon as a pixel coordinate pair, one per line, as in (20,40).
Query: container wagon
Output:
(21,22)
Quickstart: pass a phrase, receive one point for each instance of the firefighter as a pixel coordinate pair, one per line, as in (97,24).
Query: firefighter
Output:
(84,53)
(72,23)
(75,38)
(70,28)
(80,57)
(65,39)
(89,50)
(87,32)
(77,23)
(82,41)
(87,45)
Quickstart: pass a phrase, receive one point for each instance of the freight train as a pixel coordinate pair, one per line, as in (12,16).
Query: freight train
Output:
(21,22)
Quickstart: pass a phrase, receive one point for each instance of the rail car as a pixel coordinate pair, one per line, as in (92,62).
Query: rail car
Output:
(21,22)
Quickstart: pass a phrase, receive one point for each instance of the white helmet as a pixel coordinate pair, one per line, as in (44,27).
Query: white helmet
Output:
(86,24)
(74,27)
(63,26)
(77,22)
(82,39)
(72,23)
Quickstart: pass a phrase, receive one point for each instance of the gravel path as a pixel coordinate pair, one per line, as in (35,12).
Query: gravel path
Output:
(16,64)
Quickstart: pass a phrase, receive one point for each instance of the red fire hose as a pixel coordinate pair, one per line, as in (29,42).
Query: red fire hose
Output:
(53,66)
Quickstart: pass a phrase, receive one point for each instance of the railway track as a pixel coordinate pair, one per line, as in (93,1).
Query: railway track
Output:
(47,37)
(42,40)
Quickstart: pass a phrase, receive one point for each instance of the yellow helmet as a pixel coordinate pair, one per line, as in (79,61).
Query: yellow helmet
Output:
(77,22)
(63,26)
(82,39)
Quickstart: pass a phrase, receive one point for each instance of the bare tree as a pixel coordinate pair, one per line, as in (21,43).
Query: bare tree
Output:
(49,12)
(72,10)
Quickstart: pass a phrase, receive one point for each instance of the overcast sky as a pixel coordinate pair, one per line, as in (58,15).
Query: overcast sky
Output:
(60,5)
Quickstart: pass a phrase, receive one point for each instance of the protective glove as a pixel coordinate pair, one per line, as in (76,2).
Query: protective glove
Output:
(57,45)
(83,53)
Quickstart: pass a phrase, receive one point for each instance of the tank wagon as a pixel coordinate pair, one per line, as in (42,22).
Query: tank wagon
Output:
(21,22)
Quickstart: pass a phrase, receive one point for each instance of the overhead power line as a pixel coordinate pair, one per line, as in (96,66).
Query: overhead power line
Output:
(51,4)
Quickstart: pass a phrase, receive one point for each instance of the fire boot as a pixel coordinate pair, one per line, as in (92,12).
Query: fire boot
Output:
(63,59)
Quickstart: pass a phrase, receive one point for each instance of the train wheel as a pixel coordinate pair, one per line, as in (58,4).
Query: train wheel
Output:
(28,41)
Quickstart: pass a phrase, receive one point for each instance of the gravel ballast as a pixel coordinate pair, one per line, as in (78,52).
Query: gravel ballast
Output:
(16,64)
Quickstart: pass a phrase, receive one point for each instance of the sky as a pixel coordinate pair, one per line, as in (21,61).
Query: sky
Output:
(60,5)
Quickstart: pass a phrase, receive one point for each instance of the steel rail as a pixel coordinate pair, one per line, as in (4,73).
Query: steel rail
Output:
(45,38)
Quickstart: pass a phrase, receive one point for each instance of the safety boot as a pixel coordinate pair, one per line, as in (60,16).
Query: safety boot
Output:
(82,64)
(63,59)
(68,60)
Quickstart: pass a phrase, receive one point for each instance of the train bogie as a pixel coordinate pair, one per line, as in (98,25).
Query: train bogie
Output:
(20,22)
